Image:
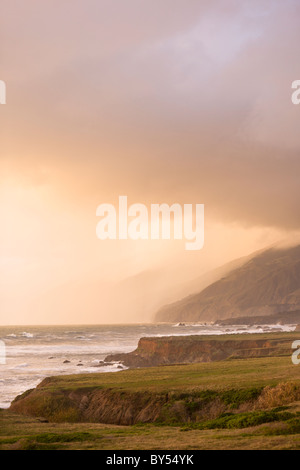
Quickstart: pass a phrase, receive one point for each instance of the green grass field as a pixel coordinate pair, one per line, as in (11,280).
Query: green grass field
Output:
(243,373)
(236,385)
(24,433)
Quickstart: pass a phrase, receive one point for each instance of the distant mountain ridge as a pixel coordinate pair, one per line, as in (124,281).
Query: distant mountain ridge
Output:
(268,283)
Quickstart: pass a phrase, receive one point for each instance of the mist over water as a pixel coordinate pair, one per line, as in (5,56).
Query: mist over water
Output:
(34,353)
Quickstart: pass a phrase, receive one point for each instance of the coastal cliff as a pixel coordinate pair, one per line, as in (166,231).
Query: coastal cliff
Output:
(186,393)
(192,349)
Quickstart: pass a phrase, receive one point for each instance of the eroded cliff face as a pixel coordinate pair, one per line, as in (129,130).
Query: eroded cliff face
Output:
(190,349)
(89,405)
(52,402)
(82,398)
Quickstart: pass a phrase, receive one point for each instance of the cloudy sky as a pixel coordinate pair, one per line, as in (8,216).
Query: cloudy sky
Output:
(181,101)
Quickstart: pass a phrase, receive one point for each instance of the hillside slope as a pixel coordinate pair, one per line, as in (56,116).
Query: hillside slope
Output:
(269,283)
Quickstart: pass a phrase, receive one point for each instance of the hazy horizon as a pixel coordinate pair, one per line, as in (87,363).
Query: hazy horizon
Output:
(165,102)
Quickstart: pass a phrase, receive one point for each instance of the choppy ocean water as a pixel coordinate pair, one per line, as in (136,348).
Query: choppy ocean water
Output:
(36,352)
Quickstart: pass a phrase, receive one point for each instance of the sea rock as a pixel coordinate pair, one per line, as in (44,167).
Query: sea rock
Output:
(103,364)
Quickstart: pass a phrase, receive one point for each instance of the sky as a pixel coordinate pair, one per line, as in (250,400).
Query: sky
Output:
(173,101)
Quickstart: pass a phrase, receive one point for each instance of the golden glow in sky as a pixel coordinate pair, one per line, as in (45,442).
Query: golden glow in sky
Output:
(174,101)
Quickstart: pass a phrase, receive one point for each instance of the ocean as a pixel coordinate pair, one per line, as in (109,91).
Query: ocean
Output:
(36,352)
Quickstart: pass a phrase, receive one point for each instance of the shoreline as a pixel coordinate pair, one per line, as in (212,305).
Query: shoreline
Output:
(231,402)
(163,354)
(157,351)
(150,350)
(36,353)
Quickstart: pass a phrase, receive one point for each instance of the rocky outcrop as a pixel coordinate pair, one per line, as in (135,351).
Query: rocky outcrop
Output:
(169,394)
(191,349)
